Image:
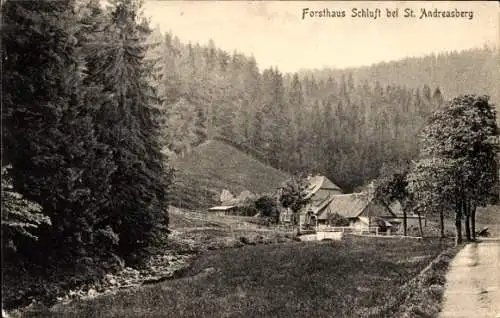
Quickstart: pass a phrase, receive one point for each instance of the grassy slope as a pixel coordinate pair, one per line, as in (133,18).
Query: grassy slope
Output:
(322,279)
(194,232)
(490,217)
(214,166)
(485,217)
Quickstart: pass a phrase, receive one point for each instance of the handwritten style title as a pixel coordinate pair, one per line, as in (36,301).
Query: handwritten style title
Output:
(374,14)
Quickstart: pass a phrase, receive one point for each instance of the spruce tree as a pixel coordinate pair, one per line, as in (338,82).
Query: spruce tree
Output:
(50,139)
(128,124)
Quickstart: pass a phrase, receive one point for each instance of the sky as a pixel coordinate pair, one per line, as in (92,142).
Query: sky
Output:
(278,33)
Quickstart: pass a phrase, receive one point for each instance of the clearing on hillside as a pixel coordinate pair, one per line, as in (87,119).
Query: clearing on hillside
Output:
(213,166)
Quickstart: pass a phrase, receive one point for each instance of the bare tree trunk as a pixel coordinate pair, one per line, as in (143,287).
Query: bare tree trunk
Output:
(458,222)
(473,221)
(441,223)
(466,206)
(420,225)
(405,223)
(458,229)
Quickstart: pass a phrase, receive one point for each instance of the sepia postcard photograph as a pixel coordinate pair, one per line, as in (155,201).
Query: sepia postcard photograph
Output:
(250,159)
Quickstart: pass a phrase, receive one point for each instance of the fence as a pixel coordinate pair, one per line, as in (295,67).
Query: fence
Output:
(347,229)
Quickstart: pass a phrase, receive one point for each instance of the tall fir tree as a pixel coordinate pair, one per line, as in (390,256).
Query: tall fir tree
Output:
(58,160)
(128,124)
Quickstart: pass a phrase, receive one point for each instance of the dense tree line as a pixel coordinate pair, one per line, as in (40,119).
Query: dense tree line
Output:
(81,132)
(455,72)
(343,124)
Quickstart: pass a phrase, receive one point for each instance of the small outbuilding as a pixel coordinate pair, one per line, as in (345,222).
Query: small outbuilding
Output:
(223,210)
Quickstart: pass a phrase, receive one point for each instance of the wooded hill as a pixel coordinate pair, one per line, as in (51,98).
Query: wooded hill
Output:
(341,123)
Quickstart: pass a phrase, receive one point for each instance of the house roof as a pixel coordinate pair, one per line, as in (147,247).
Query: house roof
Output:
(347,205)
(319,182)
(396,207)
(321,206)
(353,205)
(221,208)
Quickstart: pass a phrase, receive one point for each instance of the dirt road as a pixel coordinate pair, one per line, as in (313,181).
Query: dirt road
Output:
(473,282)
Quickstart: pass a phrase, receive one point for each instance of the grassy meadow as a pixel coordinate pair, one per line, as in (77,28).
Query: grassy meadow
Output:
(355,277)
(489,217)
(241,268)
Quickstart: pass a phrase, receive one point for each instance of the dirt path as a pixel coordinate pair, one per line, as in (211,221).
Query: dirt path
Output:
(473,282)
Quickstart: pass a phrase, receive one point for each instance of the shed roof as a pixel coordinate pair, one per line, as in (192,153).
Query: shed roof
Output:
(221,208)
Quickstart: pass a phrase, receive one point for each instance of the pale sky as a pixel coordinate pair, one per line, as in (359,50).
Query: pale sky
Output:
(276,34)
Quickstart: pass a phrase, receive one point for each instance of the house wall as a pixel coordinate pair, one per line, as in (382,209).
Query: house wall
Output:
(359,223)
(286,216)
(305,219)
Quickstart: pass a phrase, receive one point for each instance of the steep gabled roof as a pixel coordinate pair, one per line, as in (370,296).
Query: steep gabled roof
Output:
(322,205)
(317,183)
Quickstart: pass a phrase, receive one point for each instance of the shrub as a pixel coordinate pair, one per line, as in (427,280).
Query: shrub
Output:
(20,217)
(337,220)
(267,206)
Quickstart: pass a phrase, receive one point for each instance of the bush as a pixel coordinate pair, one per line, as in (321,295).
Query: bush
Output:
(337,220)
(267,206)
(20,217)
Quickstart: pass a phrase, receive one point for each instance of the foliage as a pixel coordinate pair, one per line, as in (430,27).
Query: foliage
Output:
(293,194)
(82,128)
(267,205)
(457,168)
(342,123)
(128,124)
(391,184)
(430,186)
(335,219)
(57,158)
(20,217)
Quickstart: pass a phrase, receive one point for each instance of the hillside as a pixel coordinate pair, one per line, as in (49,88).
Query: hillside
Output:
(213,166)
(342,123)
